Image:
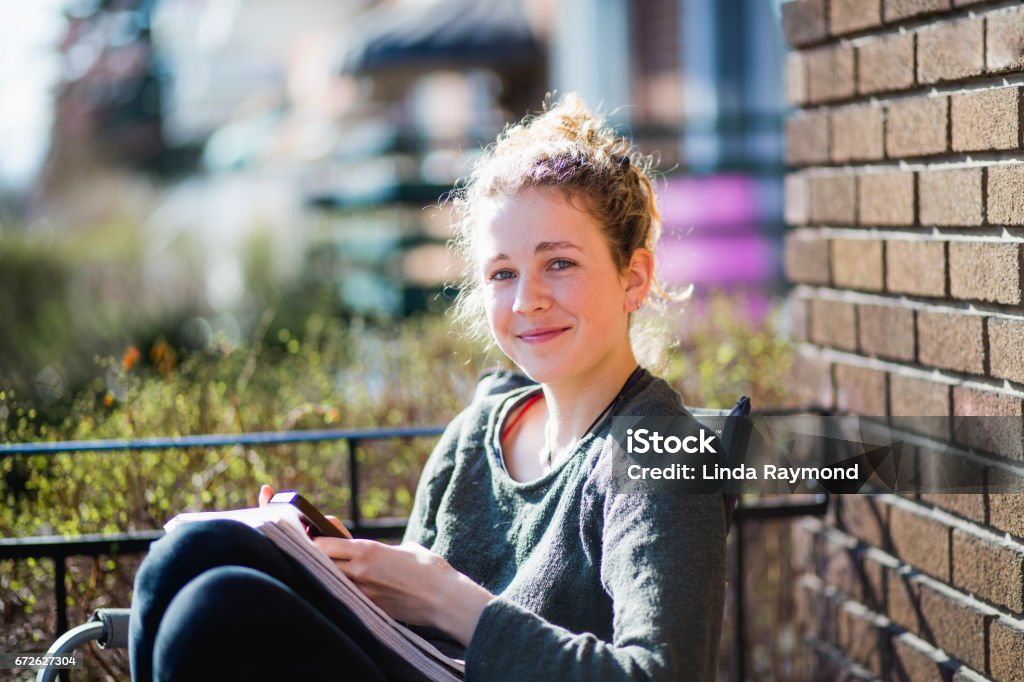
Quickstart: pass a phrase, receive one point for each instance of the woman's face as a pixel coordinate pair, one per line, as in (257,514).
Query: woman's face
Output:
(555,301)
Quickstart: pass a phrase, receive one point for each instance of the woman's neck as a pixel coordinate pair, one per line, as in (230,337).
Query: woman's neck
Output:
(572,408)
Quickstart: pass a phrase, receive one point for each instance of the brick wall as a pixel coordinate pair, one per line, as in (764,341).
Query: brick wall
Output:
(905,200)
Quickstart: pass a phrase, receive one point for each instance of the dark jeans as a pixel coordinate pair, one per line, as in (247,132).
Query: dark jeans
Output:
(218,601)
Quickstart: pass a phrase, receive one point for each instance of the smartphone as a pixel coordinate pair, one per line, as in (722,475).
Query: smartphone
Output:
(316,523)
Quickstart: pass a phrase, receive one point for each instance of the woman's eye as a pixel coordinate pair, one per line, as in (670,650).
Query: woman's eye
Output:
(561,264)
(501,275)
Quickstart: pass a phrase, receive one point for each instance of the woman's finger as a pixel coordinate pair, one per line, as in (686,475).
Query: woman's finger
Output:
(266,492)
(337,548)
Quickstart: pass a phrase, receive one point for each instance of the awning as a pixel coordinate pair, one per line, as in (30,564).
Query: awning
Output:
(443,33)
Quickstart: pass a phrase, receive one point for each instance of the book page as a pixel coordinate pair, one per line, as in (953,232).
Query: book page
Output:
(281,524)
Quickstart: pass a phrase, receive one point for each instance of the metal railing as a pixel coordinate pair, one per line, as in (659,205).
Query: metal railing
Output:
(59,548)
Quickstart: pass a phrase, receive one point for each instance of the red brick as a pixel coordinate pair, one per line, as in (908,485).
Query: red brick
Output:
(815,613)
(832,199)
(951,482)
(992,570)
(903,598)
(951,197)
(1005,40)
(857,264)
(1006,348)
(920,406)
(797,198)
(863,638)
(806,258)
(797,319)
(973,402)
(1006,650)
(914,267)
(860,391)
(985,271)
(919,397)
(951,340)
(834,323)
(986,120)
(1006,501)
(920,541)
(830,73)
(951,51)
(886,198)
(872,573)
(804,22)
(903,9)
(958,627)
(1003,436)
(886,331)
(796,79)
(857,134)
(1006,195)
(863,516)
(807,536)
(847,16)
(839,565)
(970,505)
(811,381)
(886,64)
(807,138)
(917,127)
(912,660)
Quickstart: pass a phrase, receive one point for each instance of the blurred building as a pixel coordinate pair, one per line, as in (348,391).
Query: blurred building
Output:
(332,126)
(437,80)
(696,82)
(699,83)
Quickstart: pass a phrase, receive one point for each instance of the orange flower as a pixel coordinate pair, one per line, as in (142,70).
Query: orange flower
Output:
(163,356)
(131,356)
(108,400)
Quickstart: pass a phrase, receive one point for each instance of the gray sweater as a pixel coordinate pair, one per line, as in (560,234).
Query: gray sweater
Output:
(590,585)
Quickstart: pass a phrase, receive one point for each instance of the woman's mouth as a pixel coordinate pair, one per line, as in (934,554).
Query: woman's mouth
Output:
(541,334)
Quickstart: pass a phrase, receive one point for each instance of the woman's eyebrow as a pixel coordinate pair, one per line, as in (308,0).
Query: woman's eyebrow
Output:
(540,248)
(552,246)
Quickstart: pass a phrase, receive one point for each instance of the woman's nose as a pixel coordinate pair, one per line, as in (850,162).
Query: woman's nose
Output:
(532,295)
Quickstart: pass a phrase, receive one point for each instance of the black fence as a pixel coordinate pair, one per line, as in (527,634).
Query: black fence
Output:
(59,548)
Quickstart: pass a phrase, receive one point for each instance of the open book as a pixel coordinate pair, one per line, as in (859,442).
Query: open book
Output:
(282,525)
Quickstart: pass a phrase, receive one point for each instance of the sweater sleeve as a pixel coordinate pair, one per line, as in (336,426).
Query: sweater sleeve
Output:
(663,564)
(437,473)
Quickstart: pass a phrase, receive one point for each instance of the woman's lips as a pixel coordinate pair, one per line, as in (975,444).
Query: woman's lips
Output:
(541,335)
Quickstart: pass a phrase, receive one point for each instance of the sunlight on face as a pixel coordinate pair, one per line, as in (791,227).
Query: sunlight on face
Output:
(555,302)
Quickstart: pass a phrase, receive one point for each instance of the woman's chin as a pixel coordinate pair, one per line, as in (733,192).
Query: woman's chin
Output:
(543,372)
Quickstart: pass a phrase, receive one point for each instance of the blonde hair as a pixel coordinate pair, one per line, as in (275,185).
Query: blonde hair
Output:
(568,148)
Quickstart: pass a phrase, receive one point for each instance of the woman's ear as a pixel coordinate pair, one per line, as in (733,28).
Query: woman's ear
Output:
(638,278)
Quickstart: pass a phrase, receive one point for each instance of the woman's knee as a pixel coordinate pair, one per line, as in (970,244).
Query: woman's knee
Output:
(192,548)
(237,622)
(222,602)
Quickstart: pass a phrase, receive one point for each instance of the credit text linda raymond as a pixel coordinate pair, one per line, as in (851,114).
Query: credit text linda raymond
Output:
(643,441)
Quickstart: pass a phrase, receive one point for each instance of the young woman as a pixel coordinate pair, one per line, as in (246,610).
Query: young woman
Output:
(518,549)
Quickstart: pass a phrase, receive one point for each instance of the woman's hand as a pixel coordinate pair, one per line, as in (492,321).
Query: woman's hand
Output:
(411,584)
